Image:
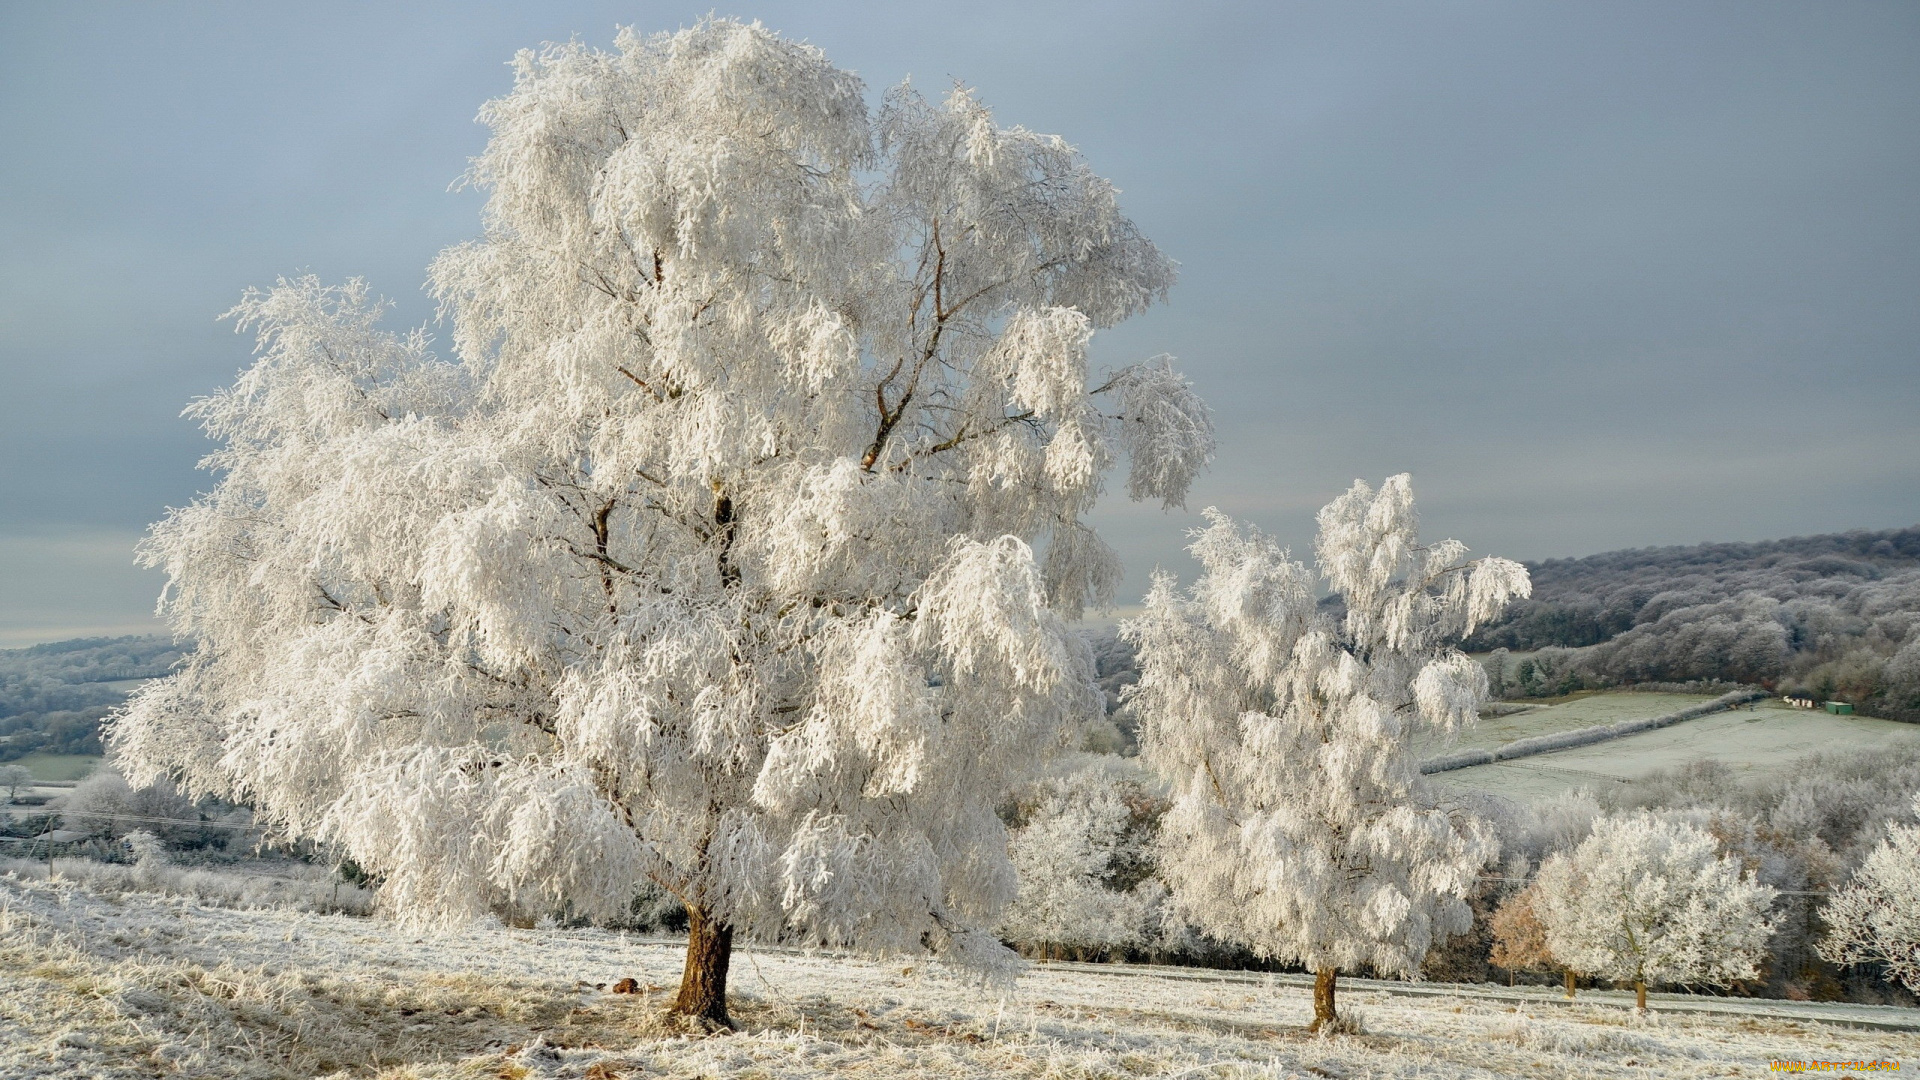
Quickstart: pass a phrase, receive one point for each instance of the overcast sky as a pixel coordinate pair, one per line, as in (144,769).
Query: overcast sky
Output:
(1600,275)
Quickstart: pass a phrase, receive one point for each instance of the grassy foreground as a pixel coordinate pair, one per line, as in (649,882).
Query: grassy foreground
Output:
(95,985)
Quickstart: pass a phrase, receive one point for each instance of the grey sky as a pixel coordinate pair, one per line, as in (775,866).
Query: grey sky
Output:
(1600,275)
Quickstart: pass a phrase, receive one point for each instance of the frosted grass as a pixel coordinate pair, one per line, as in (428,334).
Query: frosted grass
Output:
(98,985)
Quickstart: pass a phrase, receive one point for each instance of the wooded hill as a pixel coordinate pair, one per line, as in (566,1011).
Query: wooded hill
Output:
(1836,615)
(53,696)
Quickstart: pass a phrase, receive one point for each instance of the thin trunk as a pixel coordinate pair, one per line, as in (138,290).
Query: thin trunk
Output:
(703,985)
(1640,995)
(1323,1011)
(1569,984)
(723,529)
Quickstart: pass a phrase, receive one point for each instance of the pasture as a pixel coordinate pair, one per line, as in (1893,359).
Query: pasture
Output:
(1764,741)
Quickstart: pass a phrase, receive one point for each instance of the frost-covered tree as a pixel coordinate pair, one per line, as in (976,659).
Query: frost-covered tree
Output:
(1300,825)
(1520,939)
(1876,918)
(709,559)
(13,778)
(1078,852)
(1648,899)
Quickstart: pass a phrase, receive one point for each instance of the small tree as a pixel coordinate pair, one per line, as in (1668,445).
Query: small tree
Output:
(1300,825)
(13,778)
(1499,665)
(1646,899)
(146,847)
(1876,918)
(711,561)
(1520,938)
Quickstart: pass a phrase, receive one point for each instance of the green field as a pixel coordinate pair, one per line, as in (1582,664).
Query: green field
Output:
(58,767)
(1770,740)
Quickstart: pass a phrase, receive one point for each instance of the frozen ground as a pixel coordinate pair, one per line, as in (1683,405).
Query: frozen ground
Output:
(1766,741)
(93,985)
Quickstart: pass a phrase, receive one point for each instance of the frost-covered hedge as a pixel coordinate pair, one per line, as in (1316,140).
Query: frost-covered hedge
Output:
(1562,740)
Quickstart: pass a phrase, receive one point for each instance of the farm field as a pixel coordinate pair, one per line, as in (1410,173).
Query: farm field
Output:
(1765,741)
(58,768)
(137,986)
(1581,712)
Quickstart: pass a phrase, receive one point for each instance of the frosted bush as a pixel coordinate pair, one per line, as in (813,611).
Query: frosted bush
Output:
(1080,853)
(145,847)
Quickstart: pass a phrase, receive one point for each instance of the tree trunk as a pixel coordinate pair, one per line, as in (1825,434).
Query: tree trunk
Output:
(1323,1012)
(703,985)
(1569,984)
(1640,995)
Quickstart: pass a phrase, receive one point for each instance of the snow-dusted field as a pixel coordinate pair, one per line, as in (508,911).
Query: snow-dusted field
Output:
(132,986)
(1771,740)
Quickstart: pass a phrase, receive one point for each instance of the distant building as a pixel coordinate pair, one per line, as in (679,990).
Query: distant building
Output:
(1800,699)
(1840,708)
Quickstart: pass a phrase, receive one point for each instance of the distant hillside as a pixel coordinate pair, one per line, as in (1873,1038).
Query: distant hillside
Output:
(53,696)
(1836,615)
(1586,601)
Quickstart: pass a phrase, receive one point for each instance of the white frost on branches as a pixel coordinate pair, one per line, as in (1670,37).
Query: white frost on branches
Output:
(1646,899)
(710,558)
(1300,825)
(1876,918)
(1079,842)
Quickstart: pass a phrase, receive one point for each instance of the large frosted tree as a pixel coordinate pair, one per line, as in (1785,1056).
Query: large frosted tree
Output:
(709,558)
(1290,733)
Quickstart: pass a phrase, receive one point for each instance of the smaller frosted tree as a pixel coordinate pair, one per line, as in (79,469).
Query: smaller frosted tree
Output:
(1519,938)
(1499,665)
(1300,825)
(1876,918)
(1078,855)
(13,778)
(1645,899)
(146,847)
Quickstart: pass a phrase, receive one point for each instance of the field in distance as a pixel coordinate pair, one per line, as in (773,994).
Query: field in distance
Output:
(1768,740)
(58,768)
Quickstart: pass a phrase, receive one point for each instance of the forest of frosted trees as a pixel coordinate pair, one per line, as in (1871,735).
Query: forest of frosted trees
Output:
(1836,616)
(53,696)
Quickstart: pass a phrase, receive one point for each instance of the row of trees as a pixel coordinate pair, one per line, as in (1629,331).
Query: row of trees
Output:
(1591,599)
(1790,888)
